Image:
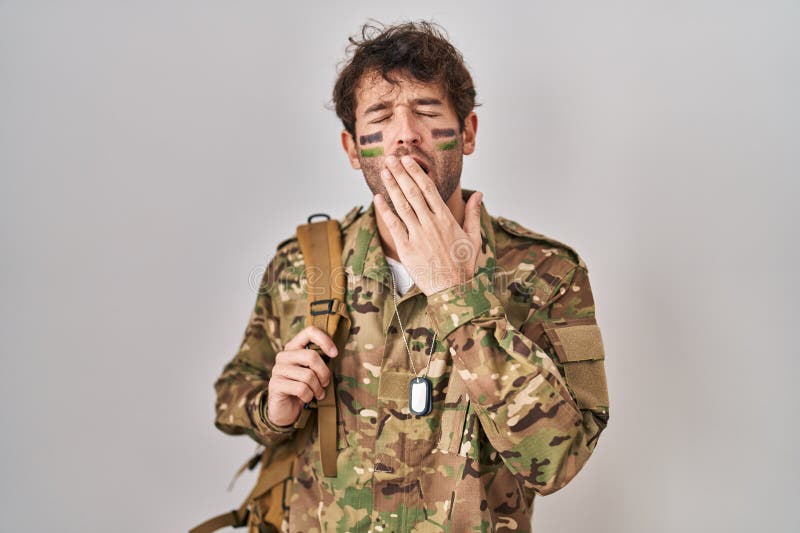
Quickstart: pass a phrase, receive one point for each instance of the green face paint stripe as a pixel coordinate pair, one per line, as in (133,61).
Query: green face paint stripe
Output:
(449,145)
(371,152)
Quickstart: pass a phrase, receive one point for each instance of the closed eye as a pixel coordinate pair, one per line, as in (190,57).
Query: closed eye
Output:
(387,117)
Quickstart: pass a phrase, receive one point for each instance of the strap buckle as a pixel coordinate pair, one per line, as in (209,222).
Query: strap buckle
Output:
(328,311)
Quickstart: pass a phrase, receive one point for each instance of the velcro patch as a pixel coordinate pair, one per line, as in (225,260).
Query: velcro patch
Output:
(580,349)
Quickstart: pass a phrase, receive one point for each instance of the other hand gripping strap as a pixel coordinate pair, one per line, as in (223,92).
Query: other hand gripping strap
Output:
(321,245)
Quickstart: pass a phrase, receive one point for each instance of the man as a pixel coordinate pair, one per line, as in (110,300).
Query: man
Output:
(498,319)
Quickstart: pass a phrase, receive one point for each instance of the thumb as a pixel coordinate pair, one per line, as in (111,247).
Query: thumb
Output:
(472,215)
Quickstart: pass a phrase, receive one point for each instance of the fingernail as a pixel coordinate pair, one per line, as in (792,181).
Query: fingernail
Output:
(391,160)
(322,396)
(334,352)
(406,159)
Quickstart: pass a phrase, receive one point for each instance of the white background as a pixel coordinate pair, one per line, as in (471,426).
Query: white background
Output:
(152,154)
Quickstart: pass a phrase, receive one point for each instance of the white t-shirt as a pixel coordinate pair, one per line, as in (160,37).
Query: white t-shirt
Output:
(401,276)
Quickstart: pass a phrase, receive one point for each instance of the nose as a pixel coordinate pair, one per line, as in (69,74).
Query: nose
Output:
(409,131)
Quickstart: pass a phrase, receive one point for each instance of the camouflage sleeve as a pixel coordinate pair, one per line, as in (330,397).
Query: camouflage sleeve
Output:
(242,387)
(544,424)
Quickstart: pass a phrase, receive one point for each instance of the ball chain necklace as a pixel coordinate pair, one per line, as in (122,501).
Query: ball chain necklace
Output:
(420,389)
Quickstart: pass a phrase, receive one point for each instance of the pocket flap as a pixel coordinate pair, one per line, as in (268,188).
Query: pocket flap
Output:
(454,415)
(576,342)
(393,386)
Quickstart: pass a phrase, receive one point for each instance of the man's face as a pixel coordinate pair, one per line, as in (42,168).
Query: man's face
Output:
(412,118)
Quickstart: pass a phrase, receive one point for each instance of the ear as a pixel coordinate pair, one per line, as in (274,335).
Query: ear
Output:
(469,133)
(349,146)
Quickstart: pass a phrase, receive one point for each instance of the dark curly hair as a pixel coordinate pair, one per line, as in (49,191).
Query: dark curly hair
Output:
(419,49)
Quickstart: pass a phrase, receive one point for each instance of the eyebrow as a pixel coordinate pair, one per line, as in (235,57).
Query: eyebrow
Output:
(381,106)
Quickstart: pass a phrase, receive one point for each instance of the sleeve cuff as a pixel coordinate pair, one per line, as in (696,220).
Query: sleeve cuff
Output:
(264,425)
(455,306)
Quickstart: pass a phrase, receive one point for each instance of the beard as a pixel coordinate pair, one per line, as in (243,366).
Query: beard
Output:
(444,171)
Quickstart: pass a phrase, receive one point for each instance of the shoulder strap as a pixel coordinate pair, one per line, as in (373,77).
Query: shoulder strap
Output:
(321,245)
(231,518)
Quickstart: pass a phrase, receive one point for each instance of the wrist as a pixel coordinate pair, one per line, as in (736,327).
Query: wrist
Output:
(457,276)
(271,424)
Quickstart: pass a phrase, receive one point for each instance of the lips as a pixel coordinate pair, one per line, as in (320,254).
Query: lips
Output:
(422,164)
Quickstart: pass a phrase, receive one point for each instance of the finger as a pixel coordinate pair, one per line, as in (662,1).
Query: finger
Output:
(396,227)
(289,387)
(302,374)
(411,191)
(426,186)
(399,200)
(306,358)
(315,335)
(472,216)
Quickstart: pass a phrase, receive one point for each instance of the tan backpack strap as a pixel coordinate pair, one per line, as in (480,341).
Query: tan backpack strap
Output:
(231,518)
(278,472)
(321,244)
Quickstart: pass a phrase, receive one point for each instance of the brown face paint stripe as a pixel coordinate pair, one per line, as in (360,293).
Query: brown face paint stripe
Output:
(449,145)
(372,152)
(439,133)
(371,138)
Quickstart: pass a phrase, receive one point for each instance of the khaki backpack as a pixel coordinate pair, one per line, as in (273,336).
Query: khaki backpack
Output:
(264,509)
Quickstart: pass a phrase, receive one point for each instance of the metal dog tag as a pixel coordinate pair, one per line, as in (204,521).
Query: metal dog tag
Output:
(420,396)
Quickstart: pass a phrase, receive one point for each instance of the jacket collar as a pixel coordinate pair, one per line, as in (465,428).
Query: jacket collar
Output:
(363,253)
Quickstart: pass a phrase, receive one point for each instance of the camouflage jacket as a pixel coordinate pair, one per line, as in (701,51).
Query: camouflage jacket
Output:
(519,397)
